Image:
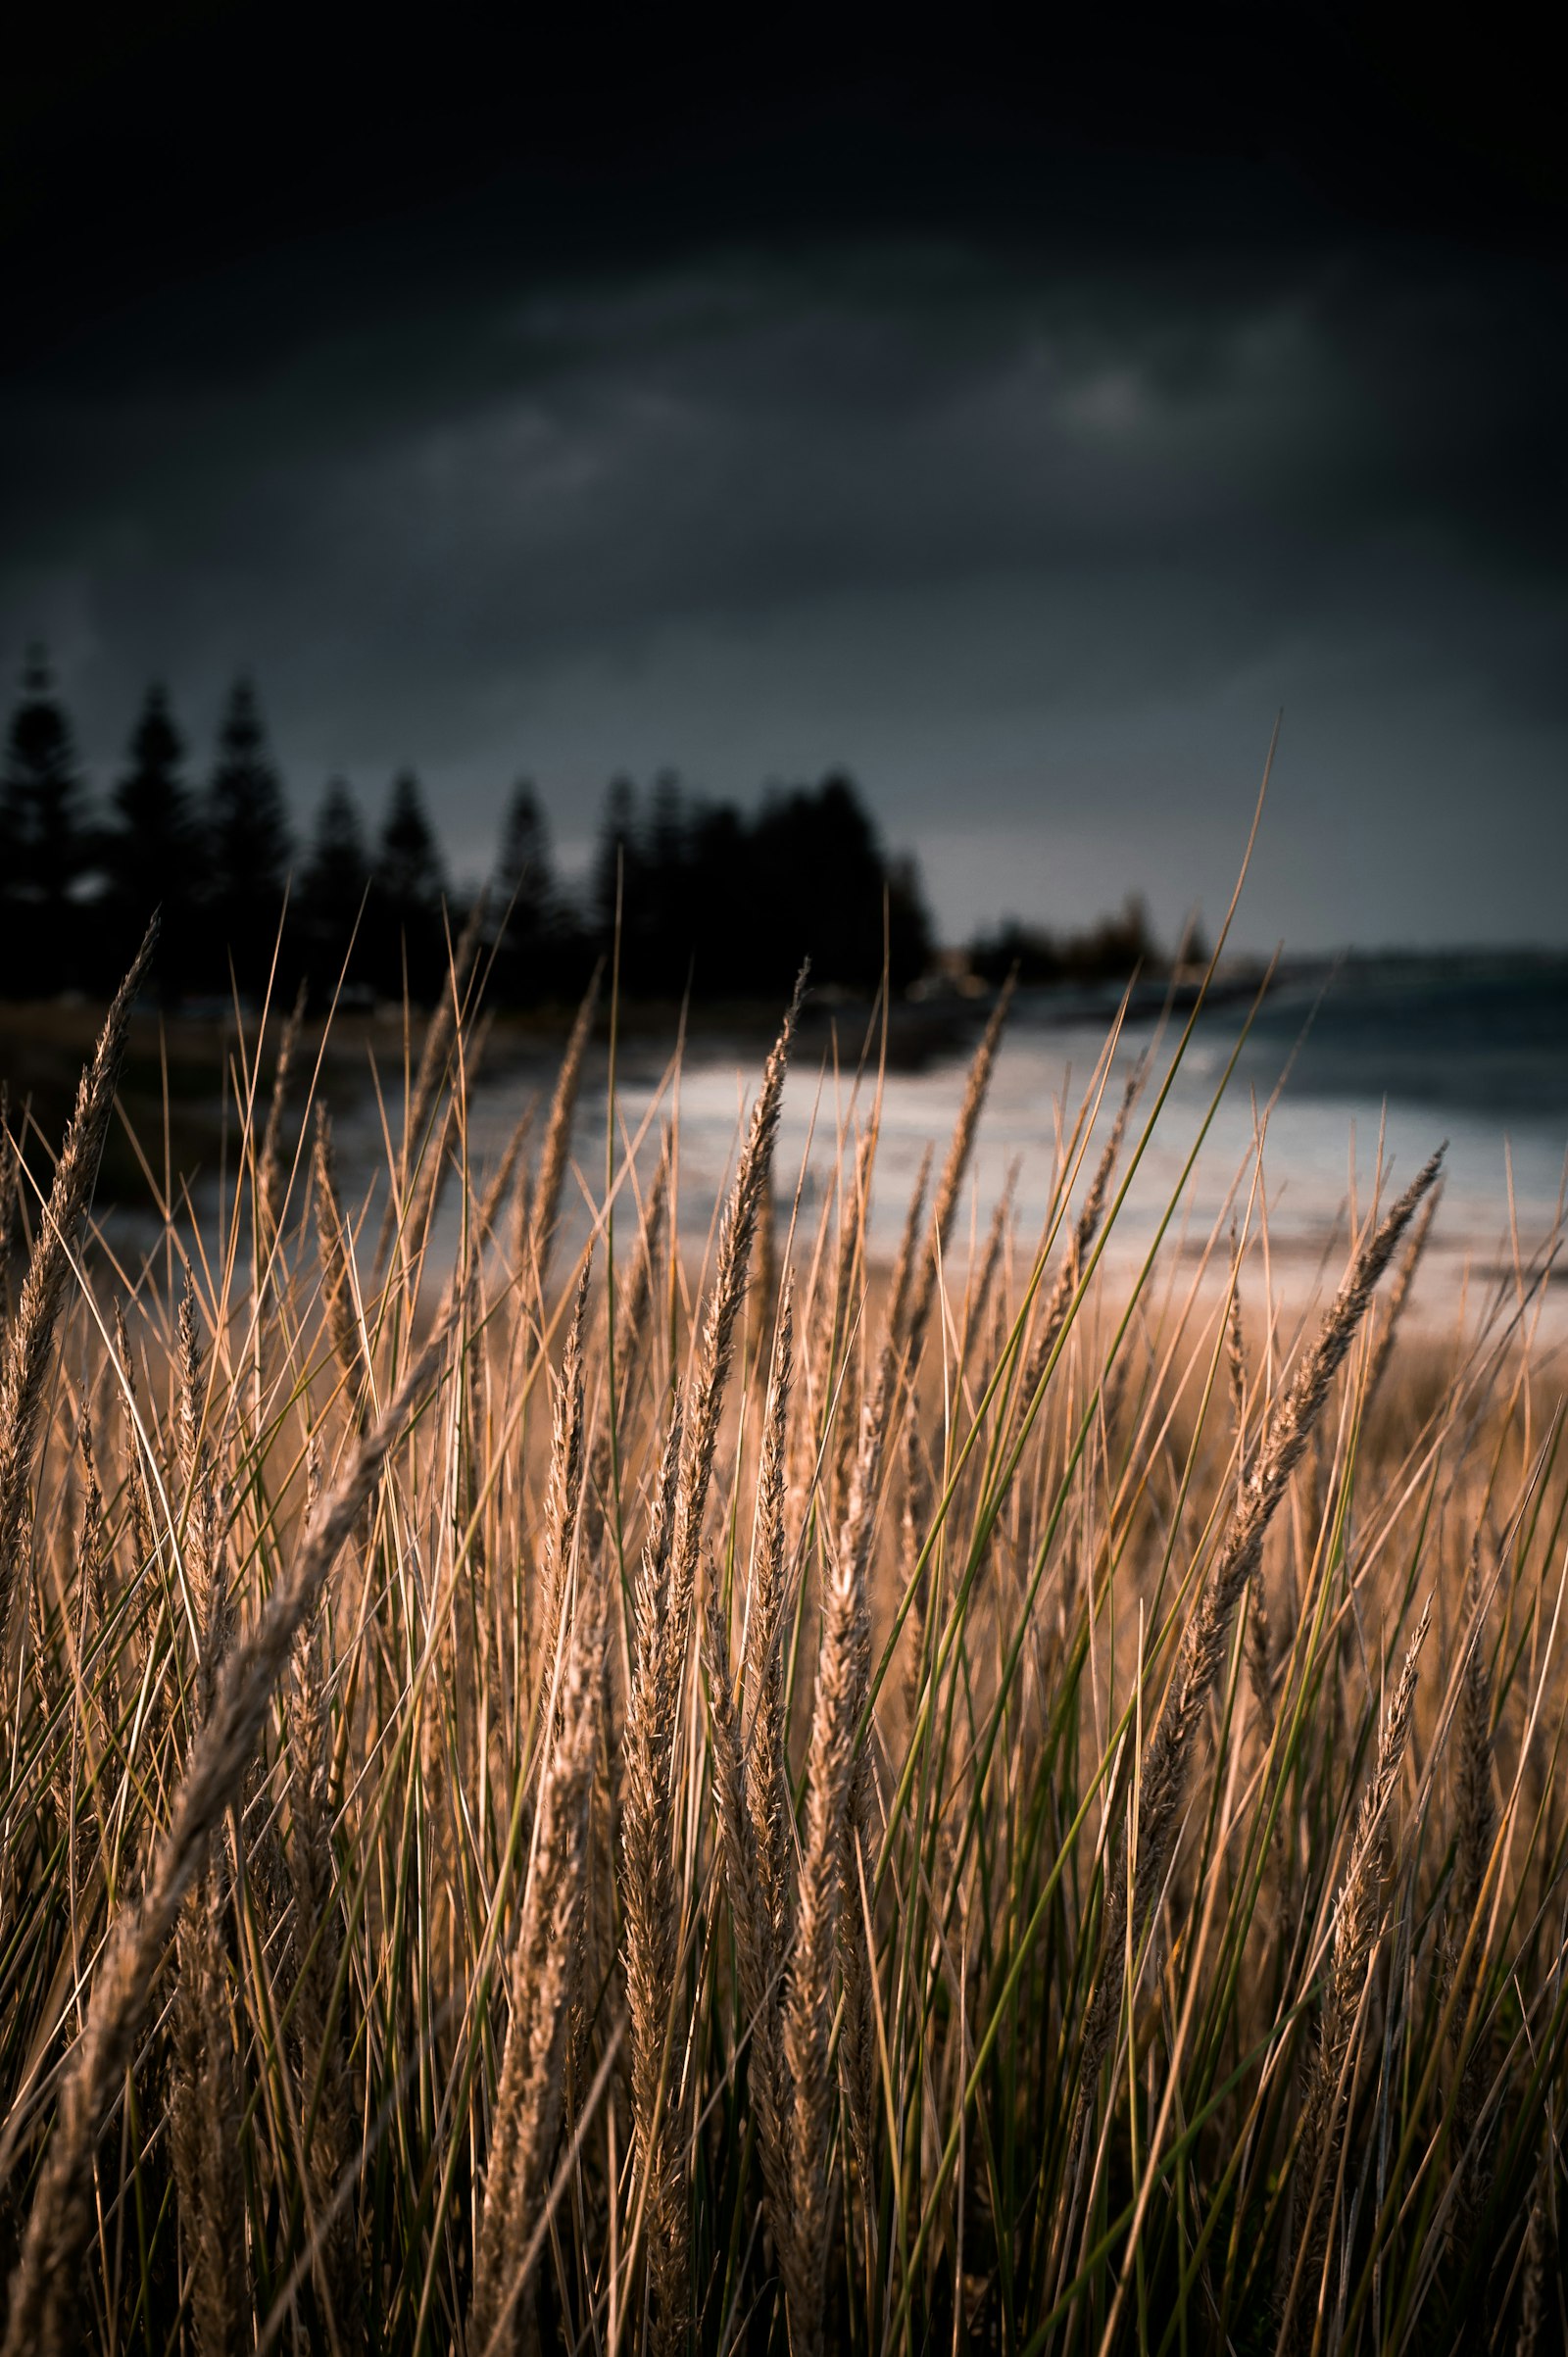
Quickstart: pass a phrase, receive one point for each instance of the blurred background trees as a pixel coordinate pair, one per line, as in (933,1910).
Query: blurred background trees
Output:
(152,850)
(46,841)
(334,890)
(707,898)
(531,928)
(247,848)
(406,936)
(728,905)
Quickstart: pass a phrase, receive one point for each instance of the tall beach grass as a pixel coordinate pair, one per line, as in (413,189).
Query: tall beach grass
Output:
(564,1790)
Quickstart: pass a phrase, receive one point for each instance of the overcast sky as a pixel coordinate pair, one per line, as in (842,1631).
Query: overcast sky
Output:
(1021,443)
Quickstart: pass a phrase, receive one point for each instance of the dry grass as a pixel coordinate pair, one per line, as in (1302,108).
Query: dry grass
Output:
(615,1804)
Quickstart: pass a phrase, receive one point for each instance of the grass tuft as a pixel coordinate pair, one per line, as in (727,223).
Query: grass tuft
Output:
(559,1795)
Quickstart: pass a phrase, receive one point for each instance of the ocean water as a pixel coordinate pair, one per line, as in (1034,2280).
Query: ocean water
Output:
(1292,1116)
(1341,1083)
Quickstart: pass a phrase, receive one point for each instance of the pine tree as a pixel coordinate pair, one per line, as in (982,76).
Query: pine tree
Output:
(248,844)
(525,871)
(408,865)
(669,829)
(335,883)
(668,923)
(826,878)
(409,887)
(617,873)
(526,904)
(151,850)
(13,908)
(48,844)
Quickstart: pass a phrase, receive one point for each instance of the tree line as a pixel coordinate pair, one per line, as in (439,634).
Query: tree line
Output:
(699,895)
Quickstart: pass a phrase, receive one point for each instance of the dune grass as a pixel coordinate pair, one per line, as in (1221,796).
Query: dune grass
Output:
(562,1791)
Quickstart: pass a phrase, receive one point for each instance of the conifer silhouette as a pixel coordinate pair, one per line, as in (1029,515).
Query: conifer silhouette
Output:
(248,844)
(45,839)
(332,895)
(152,846)
(528,963)
(409,888)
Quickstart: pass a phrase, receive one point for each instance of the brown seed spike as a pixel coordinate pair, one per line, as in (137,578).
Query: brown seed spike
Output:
(843,1675)
(737,1230)
(530,2099)
(45,2283)
(28,1345)
(767,1767)
(557,1134)
(1357,1930)
(957,1163)
(1167,1753)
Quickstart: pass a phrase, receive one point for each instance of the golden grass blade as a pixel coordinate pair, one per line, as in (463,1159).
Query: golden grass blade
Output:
(44,2284)
(30,1340)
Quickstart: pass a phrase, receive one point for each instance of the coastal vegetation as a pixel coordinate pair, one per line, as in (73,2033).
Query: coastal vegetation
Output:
(567,1787)
(698,898)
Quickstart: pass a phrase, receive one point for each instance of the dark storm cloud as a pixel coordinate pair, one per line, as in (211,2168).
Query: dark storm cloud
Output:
(1035,529)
